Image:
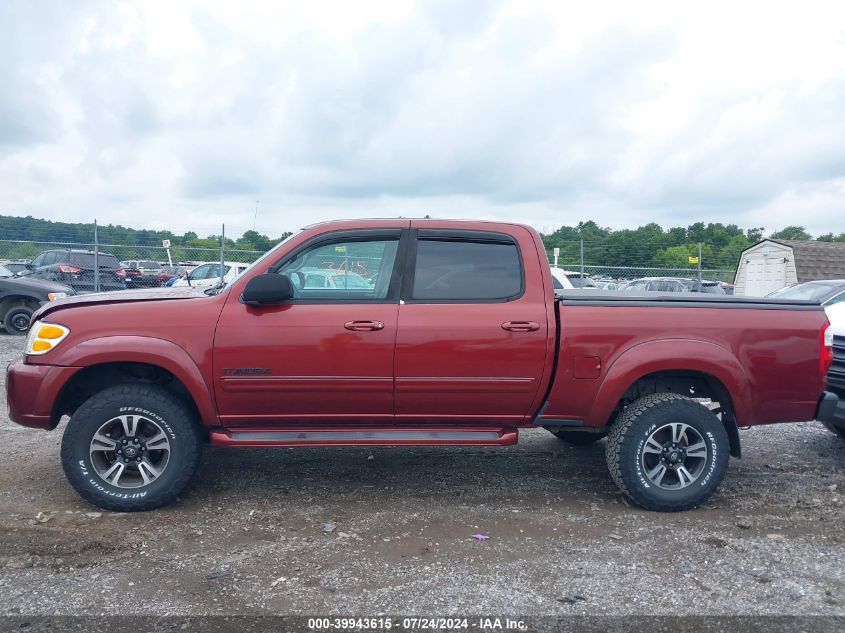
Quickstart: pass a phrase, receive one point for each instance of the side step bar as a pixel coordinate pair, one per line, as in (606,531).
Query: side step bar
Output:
(419,436)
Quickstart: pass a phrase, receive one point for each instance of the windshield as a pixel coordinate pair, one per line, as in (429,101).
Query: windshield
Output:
(5,272)
(807,292)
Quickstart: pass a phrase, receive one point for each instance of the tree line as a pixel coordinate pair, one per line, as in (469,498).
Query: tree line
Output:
(37,230)
(653,246)
(647,245)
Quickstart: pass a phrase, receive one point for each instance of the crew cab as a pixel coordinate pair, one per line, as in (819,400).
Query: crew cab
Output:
(456,338)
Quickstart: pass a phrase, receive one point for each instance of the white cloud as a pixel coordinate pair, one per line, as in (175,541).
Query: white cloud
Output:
(181,114)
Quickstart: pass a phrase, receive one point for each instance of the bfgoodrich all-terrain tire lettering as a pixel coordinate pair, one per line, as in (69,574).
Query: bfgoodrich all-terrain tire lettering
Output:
(667,452)
(131,448)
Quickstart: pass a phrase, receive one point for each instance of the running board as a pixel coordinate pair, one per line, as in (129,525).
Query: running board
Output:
(420,436)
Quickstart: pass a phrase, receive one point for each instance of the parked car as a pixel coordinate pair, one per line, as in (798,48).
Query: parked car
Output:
(567,279)
(20,297)
(674,284)
(310,278)
(168,275)
(827,292)
(141,273)
(560,280)
(836,373)
(208,275)
(459,340)
(75,268)
(580,280)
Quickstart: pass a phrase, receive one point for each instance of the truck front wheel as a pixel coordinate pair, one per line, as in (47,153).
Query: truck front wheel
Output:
(667,452)
(131,448)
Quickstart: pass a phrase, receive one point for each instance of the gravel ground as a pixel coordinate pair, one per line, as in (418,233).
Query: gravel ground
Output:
(364,531)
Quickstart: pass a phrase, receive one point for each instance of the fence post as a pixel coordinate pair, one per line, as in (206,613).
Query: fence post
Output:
(222,242)
(699,266)
(96,259)
(582,258)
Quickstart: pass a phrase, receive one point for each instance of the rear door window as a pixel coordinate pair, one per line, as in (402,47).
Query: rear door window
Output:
(465,269)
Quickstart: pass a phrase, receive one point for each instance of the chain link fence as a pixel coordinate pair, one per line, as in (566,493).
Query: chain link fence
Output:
(94,266)
(150,265)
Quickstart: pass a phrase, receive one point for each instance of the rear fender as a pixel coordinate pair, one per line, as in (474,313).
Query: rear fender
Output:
(673,355)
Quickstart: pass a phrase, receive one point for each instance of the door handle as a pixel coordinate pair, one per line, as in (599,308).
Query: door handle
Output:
(364,326)
(520,326)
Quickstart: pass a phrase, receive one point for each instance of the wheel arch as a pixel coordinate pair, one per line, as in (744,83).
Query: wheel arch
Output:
(108,361)
(706,370)
(9,301)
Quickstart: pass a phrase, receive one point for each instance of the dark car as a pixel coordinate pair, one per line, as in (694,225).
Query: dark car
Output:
(76,269)
(20,297)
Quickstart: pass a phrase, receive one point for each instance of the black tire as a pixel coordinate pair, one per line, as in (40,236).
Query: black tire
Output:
(631,456)
(154,407)
(17,320)
(578,438)
(836,429)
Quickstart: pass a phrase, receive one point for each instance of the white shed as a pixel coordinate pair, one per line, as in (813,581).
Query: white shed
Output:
(772,264)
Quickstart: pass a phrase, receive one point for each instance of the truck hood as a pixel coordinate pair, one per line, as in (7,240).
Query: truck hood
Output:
(120,296)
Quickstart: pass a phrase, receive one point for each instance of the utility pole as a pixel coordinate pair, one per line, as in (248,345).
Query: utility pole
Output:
(222,242)
(582,259)
(96,259)
(699,266)
(255,217)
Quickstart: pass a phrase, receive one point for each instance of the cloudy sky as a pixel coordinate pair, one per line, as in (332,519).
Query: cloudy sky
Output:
(181,115)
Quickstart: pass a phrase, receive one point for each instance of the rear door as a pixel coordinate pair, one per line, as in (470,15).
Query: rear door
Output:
(473,331)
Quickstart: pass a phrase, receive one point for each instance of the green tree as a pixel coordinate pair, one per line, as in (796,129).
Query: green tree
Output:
(791,233)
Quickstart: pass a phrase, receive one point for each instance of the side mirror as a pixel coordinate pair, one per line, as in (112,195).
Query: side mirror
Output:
(267,289)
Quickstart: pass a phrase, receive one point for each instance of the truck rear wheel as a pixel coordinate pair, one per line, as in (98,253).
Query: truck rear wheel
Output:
(131,448)
(667,452)
(578,438)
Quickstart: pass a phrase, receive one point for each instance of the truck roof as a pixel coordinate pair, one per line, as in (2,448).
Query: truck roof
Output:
(370,223)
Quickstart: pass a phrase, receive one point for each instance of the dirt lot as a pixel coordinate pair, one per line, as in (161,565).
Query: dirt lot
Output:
(366,531)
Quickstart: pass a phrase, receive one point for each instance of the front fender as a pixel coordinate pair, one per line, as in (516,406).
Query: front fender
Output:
(141,349)
(672,355)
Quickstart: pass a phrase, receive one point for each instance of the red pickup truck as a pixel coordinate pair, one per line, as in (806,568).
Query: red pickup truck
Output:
(412,332)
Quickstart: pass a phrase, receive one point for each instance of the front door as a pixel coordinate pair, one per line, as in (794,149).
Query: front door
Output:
(327,355)
(473,337)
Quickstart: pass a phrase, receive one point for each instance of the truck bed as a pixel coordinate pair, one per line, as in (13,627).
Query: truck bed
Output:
(765,354)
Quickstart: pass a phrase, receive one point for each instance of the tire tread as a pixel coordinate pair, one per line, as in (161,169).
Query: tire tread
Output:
(156,399)
(622,427)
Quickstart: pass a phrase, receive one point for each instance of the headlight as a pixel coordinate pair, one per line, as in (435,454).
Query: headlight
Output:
(44,336)
(52,296)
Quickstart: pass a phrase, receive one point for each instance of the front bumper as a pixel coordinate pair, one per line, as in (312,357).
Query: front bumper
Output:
(32,391)
(830,407)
